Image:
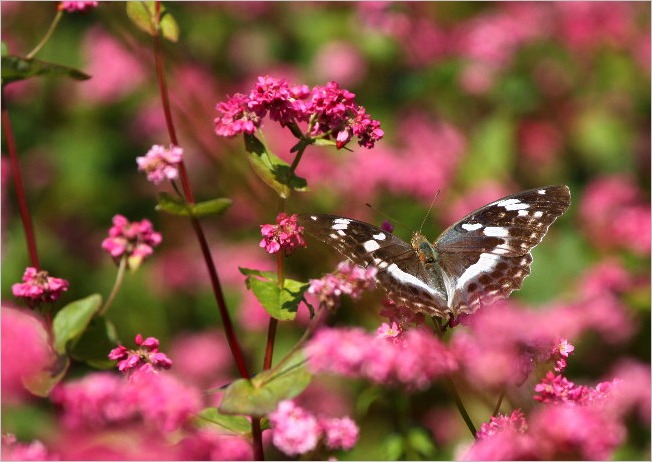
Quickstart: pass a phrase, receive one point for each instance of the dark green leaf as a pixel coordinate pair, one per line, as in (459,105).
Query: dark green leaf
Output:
(142,14)
(71,322)
(171,204)
(15,68)
(42,383)
(211,207)
(95,343)
(261,394)
(275,172)
(281,304)
(230,424)
(255,272)
(177,206)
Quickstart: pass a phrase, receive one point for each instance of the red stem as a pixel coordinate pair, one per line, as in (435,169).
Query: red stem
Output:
(23,208)
(234,345)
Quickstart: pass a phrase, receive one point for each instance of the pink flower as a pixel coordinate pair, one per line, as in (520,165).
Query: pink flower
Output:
(566,432)
(74,6)
(557,389)
(285,235)
(26,351)
(387,331)
(401,315)
(202,358)
(348,279)
(331,112)
(614,214)
(145,358)
(414,361)
(294,430)
(160,163)
(134,239)
(339,433)
(101,400)
(515,421)
(207,444)
(39,286)
(560,353)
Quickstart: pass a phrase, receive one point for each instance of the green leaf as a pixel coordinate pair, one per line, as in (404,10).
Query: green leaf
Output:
(260,395)
(230,424)
(211,207)
(325,142)
(392,447)
(42,383)
(281,304)
(15,68)
(4,48)
(273,170)
(97,340)
(177,206)
(71,322)
(142,14)
(421,441)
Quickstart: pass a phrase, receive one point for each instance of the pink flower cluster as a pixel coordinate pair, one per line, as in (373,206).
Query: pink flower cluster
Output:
(413,360)
(135,239)
(614,214)
(39,286)
(284,235)
(74,6)
(515,421)
(161,163)
(329,111)
(100,400)
(297,431)
(146,358)
(558,389)
(561,432)
(348,278)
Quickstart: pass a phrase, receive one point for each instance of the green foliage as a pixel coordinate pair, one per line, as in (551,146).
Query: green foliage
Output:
(142,14)
(211,417)
(15,68)
(71,321)
(260,395)
(270,168)
(281,304)
(176,206)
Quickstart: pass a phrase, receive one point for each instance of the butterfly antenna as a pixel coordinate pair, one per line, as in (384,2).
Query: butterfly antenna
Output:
(392,221)
(432,202)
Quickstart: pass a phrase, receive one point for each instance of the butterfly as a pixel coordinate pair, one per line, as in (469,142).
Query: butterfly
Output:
(481,258)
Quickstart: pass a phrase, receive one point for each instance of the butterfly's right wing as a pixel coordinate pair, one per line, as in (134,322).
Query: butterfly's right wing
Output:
(400,272)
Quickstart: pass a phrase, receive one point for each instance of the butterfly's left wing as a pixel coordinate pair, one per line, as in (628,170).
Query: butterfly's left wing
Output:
(486,255)
(400,272)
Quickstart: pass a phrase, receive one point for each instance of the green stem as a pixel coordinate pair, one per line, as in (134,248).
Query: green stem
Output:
(500,401)
(47,36)
(453,390)
(116,285)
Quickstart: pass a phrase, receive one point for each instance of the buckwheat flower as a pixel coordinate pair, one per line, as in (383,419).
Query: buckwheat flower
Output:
(558,389)
(285,235)
(339,433)
(388,331)
(276,97)
(161,163)
(146,357)
(236,117)
(348,279)
(567,432)
(135,239)
(74,6)
(39,286)
(516,421)
(401,314)
(559,354)
(294,430)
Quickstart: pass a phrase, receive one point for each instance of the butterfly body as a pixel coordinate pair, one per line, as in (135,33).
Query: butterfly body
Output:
(481,258)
